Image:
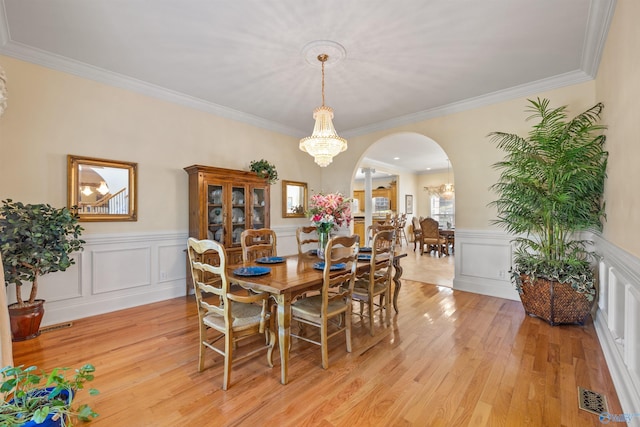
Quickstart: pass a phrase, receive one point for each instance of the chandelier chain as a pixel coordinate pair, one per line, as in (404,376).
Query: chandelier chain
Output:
(323,58)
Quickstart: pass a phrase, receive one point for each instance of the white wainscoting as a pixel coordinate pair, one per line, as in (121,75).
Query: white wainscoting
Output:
(482,263)
(114,272)
(617,321)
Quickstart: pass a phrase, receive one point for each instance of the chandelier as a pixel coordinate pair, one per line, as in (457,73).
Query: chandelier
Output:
(3,91)
(446,191)
(324,143)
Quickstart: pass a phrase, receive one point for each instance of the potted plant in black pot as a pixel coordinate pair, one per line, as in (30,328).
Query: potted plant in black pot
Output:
(34,240)
(35,398)
(550,189)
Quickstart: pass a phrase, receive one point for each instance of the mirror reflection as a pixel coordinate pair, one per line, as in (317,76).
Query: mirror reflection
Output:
(102,190)
(294,199)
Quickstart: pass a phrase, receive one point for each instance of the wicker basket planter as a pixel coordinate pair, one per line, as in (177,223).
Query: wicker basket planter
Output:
(557,303)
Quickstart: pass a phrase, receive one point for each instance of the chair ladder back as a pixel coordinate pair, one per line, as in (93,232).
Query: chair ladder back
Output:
(340,249)
(306,235)
(258,243)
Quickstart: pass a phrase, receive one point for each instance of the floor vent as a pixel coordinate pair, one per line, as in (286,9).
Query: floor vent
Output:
(591,401)
(56,327)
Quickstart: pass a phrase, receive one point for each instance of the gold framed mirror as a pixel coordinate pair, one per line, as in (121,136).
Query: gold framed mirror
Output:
(102,190)
(294,199)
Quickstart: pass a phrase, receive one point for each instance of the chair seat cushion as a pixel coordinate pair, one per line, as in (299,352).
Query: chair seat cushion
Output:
(312,306)
(361,290)
(435,241)
(244,316)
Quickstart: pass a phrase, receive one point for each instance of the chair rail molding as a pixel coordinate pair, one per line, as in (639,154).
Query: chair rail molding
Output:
(617,320)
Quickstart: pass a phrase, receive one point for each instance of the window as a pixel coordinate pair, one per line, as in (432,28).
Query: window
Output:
(444,211)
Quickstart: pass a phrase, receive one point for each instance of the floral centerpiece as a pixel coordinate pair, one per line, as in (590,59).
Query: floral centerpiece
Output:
(327,211)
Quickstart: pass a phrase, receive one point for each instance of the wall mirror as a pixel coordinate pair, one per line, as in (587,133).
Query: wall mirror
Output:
(102,190)
(294,199)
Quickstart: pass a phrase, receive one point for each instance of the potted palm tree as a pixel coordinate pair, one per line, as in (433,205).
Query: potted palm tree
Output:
(550,189)
(35,239)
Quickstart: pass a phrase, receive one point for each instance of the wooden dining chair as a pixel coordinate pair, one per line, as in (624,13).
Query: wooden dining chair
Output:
(330,310)
(233,317)
(417,232)
(400,232)
(306,236)
(431,236)
(375,228)
(258,243)
(376,282)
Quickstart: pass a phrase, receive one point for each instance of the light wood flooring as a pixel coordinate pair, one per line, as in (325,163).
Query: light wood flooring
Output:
(450,358)
(428,268)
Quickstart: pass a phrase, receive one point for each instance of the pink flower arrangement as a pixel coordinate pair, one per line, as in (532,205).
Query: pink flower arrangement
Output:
(327,210)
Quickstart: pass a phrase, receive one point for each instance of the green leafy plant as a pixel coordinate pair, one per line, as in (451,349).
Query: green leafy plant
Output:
(36,240)
(32,395)
(550,188)
(264,169)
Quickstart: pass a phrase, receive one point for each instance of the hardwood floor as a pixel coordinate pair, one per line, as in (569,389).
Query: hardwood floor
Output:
(428,268)
(450,358)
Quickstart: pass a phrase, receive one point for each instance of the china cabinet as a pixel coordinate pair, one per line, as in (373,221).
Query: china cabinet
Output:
(225,202)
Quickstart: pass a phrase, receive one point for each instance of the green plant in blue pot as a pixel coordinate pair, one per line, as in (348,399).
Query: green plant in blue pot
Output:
(34,398)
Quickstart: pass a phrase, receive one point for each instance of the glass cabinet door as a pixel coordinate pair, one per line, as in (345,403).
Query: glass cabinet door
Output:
(258,209)
(215,210)
(238,213)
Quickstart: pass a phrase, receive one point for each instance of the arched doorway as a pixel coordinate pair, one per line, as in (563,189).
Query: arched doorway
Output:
(415,168)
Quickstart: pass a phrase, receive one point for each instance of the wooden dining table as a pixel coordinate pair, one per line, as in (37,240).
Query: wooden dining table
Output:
(290,279)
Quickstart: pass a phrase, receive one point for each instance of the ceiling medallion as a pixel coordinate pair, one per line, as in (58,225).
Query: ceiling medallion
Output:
(324,143)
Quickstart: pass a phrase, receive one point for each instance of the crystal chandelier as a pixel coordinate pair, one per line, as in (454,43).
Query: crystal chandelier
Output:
(103,189)
(3,91)
(324,143)
(447,189)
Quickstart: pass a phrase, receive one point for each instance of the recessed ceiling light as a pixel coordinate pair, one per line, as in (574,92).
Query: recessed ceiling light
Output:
(396,158)
(428,169)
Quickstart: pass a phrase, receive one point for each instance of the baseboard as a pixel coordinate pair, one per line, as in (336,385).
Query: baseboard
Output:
(486,287)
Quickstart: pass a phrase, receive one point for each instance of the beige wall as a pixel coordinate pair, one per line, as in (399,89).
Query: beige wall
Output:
(463,136)
(52,114)
(618,87)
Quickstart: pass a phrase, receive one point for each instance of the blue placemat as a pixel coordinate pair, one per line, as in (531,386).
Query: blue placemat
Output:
(364,257)
(365,249)
(270,260)
(320,266)
(251,271)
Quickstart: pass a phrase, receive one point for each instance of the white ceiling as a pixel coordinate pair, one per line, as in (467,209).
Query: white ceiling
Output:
(406,60)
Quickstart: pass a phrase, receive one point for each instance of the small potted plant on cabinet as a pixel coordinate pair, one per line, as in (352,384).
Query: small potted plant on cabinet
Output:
(264,169)
(34,240)
(35,398)
(550,189)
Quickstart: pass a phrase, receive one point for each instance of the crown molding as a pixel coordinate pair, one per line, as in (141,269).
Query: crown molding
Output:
(600,16)
(566,79)
(80,69)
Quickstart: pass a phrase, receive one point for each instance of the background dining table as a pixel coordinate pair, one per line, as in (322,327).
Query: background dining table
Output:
(287,280)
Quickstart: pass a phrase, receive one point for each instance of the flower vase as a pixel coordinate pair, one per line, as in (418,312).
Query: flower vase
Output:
(323,239)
